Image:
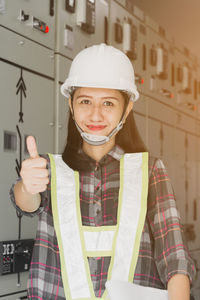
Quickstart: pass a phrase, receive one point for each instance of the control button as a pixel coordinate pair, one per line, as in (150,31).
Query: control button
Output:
(22,16)
(68,37)
(40,25)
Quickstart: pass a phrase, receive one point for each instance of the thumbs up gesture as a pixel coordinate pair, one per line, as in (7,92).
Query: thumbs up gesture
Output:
(34,173)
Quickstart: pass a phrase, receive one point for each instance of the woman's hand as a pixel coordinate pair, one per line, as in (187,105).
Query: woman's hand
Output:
(35,178)
(179,287)
(34,173)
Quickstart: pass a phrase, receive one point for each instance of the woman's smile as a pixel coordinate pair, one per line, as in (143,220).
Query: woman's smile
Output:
(96,127)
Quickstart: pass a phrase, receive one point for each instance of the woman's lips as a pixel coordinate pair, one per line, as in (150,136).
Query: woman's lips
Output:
(96,127)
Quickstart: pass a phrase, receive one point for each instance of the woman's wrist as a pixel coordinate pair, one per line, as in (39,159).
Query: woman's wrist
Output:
(26,201)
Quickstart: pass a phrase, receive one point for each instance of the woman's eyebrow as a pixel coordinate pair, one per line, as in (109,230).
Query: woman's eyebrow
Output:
(103,98)
(81,96)
(110,97)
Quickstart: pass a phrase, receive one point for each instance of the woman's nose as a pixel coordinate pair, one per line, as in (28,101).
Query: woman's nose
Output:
(96,113)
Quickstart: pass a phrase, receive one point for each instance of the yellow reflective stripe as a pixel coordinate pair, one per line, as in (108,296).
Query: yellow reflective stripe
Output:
(143,210)
(99,228)
(98,253)
(79,219)
(118,218)
(57,227)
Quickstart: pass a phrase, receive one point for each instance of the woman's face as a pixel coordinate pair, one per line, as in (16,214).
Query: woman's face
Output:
(98,111)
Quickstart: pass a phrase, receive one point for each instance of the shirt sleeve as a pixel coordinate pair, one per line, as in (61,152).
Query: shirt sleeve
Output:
(170,251)
(44,196)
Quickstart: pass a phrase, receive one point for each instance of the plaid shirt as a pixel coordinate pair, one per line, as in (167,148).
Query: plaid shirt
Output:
(162,252)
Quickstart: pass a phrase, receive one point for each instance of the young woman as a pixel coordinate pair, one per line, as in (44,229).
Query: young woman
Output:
(106,210)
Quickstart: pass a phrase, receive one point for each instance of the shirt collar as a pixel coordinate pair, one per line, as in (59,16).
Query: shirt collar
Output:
(116,153)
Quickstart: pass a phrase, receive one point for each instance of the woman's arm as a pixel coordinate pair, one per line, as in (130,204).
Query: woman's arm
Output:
(179,287)
(171,255)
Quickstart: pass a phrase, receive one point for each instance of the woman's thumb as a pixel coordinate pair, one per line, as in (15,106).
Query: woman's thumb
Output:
(32,147)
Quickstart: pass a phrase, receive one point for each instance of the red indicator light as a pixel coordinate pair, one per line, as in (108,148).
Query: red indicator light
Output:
(142,81)
(47,29)
(172,96)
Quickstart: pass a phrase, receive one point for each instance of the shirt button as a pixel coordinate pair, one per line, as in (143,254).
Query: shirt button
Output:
(97,166)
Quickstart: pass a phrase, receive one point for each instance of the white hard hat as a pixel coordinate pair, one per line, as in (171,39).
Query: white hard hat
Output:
(101,66)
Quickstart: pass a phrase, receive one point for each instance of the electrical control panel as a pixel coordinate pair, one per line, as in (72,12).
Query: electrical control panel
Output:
(70,5)
(127,32)
(86,25)
(86,15)
(129,39)
(15,256)
(186,86)
(40,40)
(118,31)
(34,20)
(25,66)
(160,60)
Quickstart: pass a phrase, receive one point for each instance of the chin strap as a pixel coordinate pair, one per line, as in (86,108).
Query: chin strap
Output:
(97,140)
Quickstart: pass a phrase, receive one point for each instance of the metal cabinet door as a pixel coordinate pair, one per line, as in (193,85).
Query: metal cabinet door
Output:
(36,112)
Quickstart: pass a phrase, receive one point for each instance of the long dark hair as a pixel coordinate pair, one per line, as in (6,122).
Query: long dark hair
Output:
(128,138)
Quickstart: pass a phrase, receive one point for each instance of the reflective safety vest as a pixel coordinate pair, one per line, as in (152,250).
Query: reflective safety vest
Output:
(77,242)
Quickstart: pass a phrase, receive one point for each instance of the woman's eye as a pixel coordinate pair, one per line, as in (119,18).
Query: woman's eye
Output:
(108,103)
(85,101)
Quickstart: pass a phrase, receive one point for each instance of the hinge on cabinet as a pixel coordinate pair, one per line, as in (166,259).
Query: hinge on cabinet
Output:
(51,8)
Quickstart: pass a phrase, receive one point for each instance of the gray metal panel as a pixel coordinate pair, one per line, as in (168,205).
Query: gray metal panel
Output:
(63,109)
(141,105)
(179,149)
(26,53)
(183,100)
(8,284)
(197,221)
(179,187)
(38,110)
(190,197)
(168,141)
(185,122)
(64,65)
(81,39)
(34,8)
(119,13)
(154,142)
(14,297)
(122,2)
(63,122)
(8,121)
(37,115)
(156,40)
(160,112)
(153,111)
(142,127)
(192,148)
(140,108)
